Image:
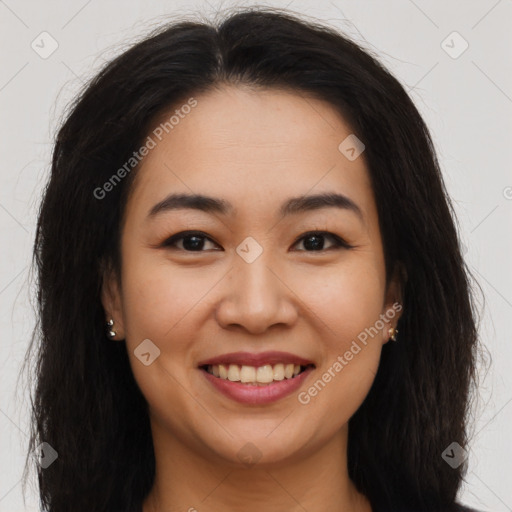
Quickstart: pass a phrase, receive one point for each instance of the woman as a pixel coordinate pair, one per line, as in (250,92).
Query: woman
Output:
(251,289)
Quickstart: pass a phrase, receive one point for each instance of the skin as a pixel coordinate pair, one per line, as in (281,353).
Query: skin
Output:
(255,150)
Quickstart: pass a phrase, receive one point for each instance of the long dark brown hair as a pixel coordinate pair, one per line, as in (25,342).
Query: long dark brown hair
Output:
(86,403)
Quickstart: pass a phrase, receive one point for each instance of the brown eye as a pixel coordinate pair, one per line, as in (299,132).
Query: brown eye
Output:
(191,241)
(314,241)
(195,241)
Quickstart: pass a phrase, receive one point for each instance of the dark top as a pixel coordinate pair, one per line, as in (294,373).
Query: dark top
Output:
(460,508)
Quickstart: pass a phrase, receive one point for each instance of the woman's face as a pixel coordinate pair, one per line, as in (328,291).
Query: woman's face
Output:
(253,282)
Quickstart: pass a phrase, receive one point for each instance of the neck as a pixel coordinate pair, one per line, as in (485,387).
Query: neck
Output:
(186,480)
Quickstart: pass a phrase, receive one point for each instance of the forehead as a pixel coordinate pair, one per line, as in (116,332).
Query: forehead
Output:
(252,148)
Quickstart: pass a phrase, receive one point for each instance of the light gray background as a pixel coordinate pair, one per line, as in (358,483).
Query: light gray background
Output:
(466,101)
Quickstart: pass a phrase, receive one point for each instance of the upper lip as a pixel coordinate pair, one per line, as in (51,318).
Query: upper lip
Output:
(258,359)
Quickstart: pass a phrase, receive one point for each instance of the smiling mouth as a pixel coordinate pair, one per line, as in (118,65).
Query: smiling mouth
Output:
(252,375)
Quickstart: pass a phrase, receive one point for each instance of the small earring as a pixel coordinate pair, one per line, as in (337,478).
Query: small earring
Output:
(392,333)
(111,331)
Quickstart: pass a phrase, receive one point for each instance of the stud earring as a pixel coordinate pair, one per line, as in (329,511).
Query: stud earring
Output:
(392,333)
(110,325)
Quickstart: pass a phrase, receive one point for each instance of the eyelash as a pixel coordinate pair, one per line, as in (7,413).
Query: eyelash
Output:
(339,243)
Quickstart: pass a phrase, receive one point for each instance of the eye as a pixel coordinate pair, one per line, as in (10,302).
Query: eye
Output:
(193,241)
(314,240)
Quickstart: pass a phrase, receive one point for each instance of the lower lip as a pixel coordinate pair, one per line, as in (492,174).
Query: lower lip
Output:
(251,394)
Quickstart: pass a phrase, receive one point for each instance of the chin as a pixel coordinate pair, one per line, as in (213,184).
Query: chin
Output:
(259,448)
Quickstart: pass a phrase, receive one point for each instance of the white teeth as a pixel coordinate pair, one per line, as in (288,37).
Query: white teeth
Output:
(223,371)
(265,374)
(279,372)
(254,375)
(248,374)
(234,372)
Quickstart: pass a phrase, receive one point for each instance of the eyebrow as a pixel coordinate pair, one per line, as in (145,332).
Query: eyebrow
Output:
(291,206)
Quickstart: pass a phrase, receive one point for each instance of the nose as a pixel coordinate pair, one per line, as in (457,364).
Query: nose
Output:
(255,297)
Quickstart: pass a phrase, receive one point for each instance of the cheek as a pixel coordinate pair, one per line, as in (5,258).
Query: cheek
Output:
(160,305)
(163,303)
(348,299)
(348,303)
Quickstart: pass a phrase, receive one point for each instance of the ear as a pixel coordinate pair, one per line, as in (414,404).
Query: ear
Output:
(393,304)
(111,300)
